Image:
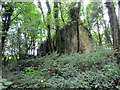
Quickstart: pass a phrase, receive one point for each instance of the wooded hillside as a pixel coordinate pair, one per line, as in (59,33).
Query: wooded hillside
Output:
(51,44)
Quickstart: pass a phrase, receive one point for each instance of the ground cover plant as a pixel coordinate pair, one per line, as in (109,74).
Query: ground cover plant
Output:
(91,70)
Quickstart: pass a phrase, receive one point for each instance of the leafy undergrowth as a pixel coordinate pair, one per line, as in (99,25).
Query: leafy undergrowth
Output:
(91,70)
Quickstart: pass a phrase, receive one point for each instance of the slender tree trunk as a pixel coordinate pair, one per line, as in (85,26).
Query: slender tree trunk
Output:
(98,30)
(50,46)
(57,28)
(119,32)
(19,41)
(78,33)
(115,29)
(34,46)
(0,47)
(6,20)
(119,11)
(40,6)
(61,13)
(96,36)
(0,53)
(107,35)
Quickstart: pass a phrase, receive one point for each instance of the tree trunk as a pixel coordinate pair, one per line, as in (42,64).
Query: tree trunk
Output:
(119,11)
(98,30)
(0,48)
(57,28)
(19,42)
(61,11)
(50,46)
(107,34)
(6,20)
(78,33)
(115,29)
(0,54)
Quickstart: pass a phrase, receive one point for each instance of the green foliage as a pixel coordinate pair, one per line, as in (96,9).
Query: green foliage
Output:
(97,69)
(4,83)
(29,70)
(45,69)
(91,70)
(25,30)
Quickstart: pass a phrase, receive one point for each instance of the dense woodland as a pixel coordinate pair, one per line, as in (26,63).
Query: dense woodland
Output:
(49,44)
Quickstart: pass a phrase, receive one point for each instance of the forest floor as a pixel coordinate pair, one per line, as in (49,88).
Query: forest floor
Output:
(91,70)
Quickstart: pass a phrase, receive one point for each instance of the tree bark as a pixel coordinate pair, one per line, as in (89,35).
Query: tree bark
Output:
(57,28)
(0,53)
(61,13)
(6,21)
(78,33)
(0,46)
(119,11)
(107,34)
(50,46)
(115,29)
(40,6)
(98,30)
